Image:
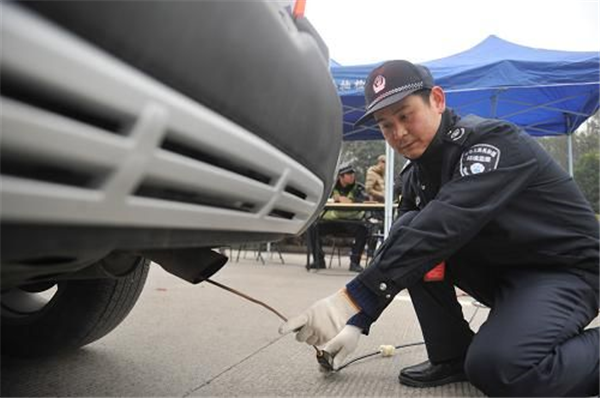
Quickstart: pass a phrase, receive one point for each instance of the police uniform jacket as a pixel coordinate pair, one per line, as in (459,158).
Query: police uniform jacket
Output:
(483,192)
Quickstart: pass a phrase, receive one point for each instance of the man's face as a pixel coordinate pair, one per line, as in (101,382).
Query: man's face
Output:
(347,179)
(410,125)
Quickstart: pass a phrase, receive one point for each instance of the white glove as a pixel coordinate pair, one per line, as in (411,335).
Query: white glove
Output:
(343,344)
(323,320)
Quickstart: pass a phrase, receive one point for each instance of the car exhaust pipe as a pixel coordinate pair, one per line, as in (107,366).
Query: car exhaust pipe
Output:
(193,265)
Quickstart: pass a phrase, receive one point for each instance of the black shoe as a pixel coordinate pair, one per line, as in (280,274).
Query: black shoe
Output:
(427,374)
(316,265)
(355,267)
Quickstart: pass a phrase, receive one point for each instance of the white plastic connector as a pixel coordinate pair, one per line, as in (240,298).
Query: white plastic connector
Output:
(387,350)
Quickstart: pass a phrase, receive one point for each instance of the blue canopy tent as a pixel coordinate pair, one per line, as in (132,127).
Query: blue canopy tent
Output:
(545,92)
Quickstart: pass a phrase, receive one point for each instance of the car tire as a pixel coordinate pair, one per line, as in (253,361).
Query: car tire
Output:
(78,313)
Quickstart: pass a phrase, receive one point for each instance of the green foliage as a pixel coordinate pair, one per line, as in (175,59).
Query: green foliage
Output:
(585,140)
(557,148)
(363,154)
(587,176)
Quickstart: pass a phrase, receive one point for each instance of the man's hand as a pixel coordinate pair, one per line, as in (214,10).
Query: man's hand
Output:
(343,344)
(323,320)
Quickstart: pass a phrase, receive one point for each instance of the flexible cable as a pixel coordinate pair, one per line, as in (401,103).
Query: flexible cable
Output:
(321,355)
(324,358)
(252,299)
(372,354)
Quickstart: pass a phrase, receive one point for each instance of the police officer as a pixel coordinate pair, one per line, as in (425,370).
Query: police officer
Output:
(511,228)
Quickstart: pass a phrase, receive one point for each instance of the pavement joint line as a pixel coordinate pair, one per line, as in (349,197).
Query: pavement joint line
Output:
(194,389)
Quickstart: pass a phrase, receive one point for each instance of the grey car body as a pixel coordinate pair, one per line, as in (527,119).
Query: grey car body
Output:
(137,131)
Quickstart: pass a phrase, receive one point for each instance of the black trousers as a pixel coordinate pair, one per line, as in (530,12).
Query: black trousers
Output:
(533,342)
(351,228)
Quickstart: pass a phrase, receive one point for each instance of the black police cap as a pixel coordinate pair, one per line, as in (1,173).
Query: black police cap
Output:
(391,82)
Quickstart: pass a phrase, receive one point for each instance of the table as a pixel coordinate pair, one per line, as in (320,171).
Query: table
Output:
(355,206)
(369,206)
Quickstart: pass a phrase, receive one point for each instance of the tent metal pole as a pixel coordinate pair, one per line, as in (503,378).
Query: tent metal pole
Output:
(389,189)
(570,149)
(494,105)
(569,143)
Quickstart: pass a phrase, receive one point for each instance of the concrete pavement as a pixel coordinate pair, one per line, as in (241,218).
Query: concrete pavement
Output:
(184,340)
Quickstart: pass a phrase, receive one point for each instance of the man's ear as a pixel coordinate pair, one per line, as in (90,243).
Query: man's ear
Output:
(438,99)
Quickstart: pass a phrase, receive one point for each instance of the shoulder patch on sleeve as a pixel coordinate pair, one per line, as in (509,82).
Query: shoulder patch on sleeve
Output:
(480,158)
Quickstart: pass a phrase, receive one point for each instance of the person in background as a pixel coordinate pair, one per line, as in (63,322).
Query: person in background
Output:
(494,214)
(332,222)
(375,180)
(375,187)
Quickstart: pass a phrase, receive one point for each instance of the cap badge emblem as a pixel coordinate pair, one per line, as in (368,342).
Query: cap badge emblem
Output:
(378,83)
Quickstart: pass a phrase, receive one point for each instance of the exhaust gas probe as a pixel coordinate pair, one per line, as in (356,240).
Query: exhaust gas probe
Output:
(324,358)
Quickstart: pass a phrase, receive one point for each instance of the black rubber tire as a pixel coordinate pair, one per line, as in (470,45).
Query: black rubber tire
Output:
(80,312)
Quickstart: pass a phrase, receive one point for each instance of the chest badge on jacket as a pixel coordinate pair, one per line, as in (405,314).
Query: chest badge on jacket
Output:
(457,133)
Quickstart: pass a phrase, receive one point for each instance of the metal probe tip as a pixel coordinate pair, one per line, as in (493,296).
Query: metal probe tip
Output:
(325,360)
